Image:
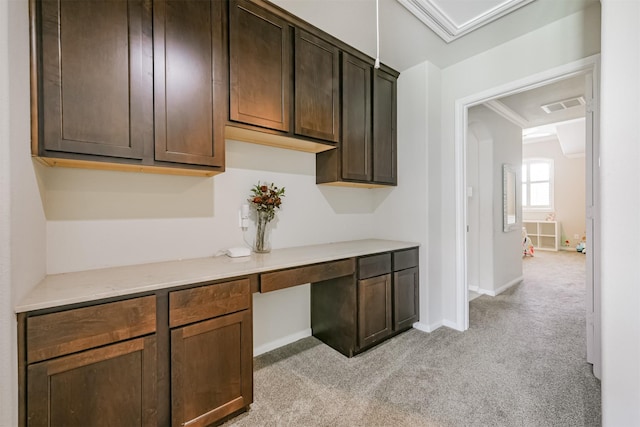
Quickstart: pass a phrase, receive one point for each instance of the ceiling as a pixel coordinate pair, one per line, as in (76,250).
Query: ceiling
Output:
(565,125)
(524,108)
(451,19)
(406,41)
(473,26)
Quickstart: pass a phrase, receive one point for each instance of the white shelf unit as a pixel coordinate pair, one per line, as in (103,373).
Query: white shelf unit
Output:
(543,234)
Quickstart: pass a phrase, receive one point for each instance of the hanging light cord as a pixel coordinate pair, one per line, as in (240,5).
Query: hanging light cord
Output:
(377,63)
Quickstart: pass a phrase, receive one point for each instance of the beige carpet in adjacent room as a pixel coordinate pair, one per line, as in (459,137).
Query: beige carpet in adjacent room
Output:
(521,363)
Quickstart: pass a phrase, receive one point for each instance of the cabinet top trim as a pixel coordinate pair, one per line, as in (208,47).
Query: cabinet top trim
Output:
(84,286)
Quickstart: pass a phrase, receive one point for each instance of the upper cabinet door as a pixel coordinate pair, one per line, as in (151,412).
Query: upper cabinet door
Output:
(384,128)
(96,77)
(356,119)
(190,81)
(260,55)
(317,88)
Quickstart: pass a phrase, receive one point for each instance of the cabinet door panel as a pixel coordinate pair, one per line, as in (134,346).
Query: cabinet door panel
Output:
(211,369)
(356,119)
(374,309)
(260,55)
(190,81)
(317,88)
(384,128)
(113,385)
(405,293)
(96,77)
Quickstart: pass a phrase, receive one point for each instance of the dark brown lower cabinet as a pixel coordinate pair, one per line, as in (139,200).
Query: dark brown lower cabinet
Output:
(114,385)
(405,292)
(354,313)
(211,369)
(374,309)
(334,308)
(130,362)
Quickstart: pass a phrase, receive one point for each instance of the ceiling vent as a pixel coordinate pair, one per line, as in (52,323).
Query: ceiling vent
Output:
(563,105)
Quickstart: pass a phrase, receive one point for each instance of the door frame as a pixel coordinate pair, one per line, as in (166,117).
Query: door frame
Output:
(585,66)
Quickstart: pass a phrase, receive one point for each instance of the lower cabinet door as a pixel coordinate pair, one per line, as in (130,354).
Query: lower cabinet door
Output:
(113,385)
(374,309)
(211,369)
(405,293)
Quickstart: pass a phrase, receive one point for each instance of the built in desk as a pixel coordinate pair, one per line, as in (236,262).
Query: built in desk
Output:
(170,343)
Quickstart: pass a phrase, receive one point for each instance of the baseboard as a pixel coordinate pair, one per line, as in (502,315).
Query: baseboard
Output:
(452,325)
(486,292)
(509,284)
(281,342)
(427,328)
(501,289)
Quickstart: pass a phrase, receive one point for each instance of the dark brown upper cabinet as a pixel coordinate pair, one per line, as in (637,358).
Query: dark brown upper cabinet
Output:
(190,63)
(366,155)
(384,127)
(260,67)
(284,79)
(97,67)
(356,119)
(95,84)
(317,87)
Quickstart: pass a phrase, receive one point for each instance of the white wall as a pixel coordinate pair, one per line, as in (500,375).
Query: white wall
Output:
(138,222)
(8,374)
(498,254)
(22,223)
(569,189)
(620,187)
(475,131)
(561,42)
(404,212)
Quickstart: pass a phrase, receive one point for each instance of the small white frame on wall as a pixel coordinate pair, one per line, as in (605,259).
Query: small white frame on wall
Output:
(510,198)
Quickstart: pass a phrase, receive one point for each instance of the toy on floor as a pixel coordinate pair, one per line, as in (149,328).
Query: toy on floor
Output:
(582,246)
(527,245)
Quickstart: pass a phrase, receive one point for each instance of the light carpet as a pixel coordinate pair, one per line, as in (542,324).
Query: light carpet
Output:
(521,363)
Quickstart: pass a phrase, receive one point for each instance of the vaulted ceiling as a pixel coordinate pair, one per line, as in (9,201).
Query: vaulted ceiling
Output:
(563,121)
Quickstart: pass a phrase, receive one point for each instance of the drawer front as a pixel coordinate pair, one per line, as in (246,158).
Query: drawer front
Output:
(70,331)
(307,274)
(375,265)
(405,259)
(206,302)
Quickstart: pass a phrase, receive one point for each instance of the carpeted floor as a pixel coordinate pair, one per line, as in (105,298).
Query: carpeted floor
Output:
(521,363)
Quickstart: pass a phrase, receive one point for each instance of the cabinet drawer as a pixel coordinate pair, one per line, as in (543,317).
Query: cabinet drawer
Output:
(65,332)
(405,259)
(375,265)
(206,302)
(307,274)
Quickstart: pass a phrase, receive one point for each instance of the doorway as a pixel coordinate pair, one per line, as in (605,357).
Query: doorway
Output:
(587,70)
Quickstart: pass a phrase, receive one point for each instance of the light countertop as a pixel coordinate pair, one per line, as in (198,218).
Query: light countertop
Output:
(84,286)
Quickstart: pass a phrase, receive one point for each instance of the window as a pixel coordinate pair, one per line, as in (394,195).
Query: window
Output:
(537,184)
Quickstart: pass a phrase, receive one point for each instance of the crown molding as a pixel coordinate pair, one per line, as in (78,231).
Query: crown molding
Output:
(444,25)
(506,112)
